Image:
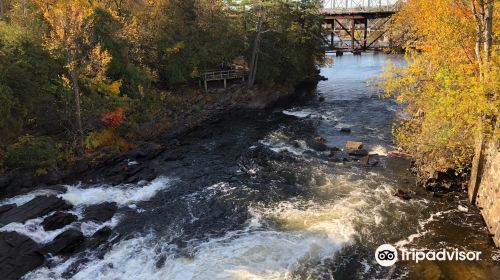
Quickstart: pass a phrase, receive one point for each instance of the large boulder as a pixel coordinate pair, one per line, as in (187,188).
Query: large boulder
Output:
(65,243)
(18,255)
(37,207)
(58,220)
(101,212)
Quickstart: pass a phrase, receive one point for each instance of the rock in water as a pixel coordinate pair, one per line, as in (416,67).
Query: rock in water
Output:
(65,243)
(7,207)
(358,153)
(406,195)
(365,160)
(18,255)
(99,237)
(37,207)
(354,145)
(58,220)
(333,151)
(345,130)
(318,144)
(101,212)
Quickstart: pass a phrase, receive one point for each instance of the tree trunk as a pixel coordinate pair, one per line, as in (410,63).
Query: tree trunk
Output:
(76,89)
(255,54)
(1,9)
(479,32)
(253,63)
(488,29)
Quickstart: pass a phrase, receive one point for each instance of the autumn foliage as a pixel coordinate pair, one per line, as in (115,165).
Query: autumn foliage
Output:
(113,119)
(450,90)
(66,65)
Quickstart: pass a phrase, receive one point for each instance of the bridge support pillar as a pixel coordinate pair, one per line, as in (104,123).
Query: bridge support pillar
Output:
(353,28)
(206,86)
(225,83)
(339,53)
(365,34)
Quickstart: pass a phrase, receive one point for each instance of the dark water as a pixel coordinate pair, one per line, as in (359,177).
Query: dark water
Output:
(249,199)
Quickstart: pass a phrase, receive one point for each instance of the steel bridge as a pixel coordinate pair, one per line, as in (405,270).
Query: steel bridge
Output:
(357,25)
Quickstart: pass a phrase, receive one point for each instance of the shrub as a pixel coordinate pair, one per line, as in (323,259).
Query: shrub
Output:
(113,119)
(37,153)
(107,137)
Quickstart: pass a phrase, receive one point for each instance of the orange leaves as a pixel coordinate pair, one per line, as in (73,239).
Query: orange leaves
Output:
(113,119)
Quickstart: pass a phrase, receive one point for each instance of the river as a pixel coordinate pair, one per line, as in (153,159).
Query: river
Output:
(249,199)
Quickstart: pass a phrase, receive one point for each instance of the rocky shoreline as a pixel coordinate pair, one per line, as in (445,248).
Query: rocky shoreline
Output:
(20,254)
(117,167)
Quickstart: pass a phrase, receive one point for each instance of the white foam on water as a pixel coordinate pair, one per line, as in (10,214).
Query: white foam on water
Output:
(33,229)
(421,230)
(81,197)
(122,195)
(55,272)
(89,228)
(379,150)
(132,162)
(279,142)
(306,232)
(22,199)
(309,113)
(301,114)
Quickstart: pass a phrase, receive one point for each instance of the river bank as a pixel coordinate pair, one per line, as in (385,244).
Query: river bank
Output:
(259,194)
(197,110)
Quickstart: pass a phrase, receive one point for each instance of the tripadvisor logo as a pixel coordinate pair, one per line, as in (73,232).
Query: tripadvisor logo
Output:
(387,255)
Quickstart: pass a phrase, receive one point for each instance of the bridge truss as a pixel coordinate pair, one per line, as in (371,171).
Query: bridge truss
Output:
(357,25)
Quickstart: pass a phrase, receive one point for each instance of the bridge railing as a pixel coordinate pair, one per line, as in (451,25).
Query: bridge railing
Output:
(353,6)
(222,75)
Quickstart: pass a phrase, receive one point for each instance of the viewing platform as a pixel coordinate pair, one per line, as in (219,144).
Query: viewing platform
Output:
(222,75)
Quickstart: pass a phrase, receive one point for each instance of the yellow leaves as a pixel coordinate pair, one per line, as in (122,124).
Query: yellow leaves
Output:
(440,25)
(66,81)
(97,65)
(440,85)
(66,19)
(176,48)
(195,73)
(115,86)
(107,137)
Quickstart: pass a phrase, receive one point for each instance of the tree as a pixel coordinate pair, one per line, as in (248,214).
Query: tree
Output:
(482,11)
(450,82)
(285,35)
(69,25)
